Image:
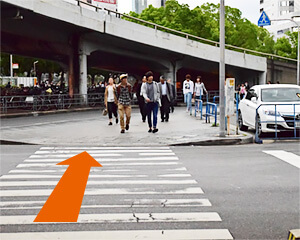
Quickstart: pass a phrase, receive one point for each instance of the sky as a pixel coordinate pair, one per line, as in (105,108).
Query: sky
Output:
(249,8)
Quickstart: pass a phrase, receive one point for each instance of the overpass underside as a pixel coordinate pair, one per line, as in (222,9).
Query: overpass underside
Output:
(78,48)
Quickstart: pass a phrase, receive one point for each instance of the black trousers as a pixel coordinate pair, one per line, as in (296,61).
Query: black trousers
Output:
(165,108)
(143,108)
(112,109)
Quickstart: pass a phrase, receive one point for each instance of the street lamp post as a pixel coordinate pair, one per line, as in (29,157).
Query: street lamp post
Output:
(34,69)
(222,70)
(298,50)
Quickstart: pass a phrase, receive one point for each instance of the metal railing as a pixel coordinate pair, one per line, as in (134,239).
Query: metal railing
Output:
(211,111)
(187,35)
(214,98)
(292,120)
(198,107)
(49,102)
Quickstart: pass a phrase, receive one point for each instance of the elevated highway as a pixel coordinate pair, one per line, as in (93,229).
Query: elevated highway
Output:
(80,37)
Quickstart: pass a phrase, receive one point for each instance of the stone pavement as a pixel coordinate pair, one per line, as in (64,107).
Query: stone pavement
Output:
(182,129)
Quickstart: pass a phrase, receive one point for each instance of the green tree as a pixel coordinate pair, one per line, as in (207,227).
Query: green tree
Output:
(283,47)
(203,21)
(26,64)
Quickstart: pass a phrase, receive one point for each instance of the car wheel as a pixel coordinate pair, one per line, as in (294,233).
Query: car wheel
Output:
(241,125)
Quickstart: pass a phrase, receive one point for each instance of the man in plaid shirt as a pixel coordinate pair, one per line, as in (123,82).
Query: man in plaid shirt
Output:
(124,102)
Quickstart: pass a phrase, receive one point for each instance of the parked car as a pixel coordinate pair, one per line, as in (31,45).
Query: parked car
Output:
(271,107)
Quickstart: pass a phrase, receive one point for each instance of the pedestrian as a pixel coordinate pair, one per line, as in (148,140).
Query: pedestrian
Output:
(110,100)
(199,88)
(173,101)
(188,90)
(141,100)
(166,97)
(124,102)
(151,94)
(247,87)
(242,91)
(8,85)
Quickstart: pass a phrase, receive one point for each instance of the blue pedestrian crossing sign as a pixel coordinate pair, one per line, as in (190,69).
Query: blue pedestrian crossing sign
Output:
(264,20)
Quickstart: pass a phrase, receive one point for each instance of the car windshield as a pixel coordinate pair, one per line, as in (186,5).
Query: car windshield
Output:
(280,95)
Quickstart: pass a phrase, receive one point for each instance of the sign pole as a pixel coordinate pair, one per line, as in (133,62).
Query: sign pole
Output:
(222,69)
(298,59)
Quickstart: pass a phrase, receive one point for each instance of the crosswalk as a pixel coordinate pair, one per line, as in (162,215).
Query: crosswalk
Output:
(285,156)
(139,193)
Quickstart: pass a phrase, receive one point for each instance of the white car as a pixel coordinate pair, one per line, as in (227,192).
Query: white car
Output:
(277,107)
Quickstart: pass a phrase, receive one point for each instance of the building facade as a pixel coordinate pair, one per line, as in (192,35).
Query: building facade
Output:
(281,9)
(139,5)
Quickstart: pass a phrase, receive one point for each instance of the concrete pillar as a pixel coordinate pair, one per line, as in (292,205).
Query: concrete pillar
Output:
(83,71)
(83,76)
(262,78)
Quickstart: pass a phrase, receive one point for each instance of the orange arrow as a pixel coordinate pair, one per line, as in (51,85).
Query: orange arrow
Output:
(63,205)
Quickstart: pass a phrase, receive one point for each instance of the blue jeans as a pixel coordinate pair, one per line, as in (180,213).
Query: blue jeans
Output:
(188,101)
(152,107)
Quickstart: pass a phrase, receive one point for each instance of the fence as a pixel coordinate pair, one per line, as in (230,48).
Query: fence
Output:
(50,102)
(287,122)
(211,111)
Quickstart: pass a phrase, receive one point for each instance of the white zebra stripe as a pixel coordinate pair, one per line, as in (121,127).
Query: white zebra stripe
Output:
(35,176)
(63,170)
(103,151)
(22,165)
(56,160)
(156,154)
(89,183)
(178,234)
(175,175)
(285,156)
(123,218)
(104,191)
(133,203)
(72,155)
(101,148)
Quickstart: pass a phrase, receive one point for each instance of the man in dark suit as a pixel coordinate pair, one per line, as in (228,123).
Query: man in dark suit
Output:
(166,96)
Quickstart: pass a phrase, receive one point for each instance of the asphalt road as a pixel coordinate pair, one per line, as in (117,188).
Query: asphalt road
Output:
(246,191)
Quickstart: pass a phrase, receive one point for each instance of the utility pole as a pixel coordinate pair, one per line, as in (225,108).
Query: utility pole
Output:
(222,69)
(11,66)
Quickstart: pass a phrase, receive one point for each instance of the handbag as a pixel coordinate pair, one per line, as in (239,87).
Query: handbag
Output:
(104,112)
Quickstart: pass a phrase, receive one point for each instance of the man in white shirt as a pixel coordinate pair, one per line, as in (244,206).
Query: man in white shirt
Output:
(188,90)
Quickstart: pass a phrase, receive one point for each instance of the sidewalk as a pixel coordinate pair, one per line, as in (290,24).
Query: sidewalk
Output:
(182,129)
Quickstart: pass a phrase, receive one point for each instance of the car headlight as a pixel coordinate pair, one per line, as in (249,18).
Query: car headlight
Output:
(272,113)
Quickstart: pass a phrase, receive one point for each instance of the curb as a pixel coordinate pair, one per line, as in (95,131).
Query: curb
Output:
(294,234)
(217,142)
(6,142)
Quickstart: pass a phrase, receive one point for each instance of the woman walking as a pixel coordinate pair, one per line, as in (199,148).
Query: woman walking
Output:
(110,99)
(188,90)
(199,89)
